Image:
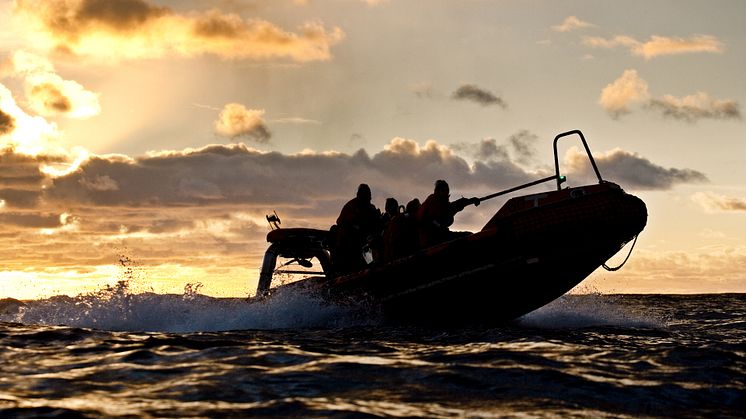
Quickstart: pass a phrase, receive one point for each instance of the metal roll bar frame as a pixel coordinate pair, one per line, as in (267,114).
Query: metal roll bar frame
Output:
(560,179)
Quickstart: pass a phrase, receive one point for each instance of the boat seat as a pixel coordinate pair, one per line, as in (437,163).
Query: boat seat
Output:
(297,234)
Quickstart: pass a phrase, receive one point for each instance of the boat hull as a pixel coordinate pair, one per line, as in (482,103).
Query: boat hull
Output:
(520,261)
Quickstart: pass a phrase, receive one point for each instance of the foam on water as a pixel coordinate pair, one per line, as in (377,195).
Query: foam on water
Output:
(590,310)
(116,309)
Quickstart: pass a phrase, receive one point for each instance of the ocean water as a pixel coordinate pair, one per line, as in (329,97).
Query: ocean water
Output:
(114,353)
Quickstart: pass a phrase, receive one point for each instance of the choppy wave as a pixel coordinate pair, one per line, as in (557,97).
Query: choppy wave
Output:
(591,356)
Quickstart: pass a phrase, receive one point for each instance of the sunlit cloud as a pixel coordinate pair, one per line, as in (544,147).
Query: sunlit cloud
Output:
(217,195)
(630,170)
(709,233)
(628,89)
(7,123)
(422,90)
(695,107)
(659,45)
(712,202)
(572,23)
(128,29)
(236,121)
(29,135)
(296,120)
(48,94)
(476,94)
(25,133)
(374,2)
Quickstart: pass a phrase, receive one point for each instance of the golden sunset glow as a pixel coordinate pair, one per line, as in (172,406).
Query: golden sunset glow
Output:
(163,132)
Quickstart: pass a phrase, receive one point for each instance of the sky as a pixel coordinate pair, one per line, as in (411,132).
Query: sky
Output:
(148,139)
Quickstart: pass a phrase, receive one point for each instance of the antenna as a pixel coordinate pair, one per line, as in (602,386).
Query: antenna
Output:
(274,221)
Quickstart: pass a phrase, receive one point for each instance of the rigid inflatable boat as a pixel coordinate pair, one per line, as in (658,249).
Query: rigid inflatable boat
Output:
(533,250)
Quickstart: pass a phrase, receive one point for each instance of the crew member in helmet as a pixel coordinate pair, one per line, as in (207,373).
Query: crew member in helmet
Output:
(400,235)
(436,215)
(357,222)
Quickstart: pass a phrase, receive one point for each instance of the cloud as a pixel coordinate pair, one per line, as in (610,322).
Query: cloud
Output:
(161,203)
(486,149)
(478,95)
(21,178)
(238,175)
(30,220)
(695,107)
(617,96)
(711,268)
(628,169)
(572,23)
(659,45)
(520,144)
(422,90)
(236,121)
(490,150)
(48,94)
(7,123)
(127,29)
(99,183)
(629,89)
(296,120)
(25,134)
(712,202)
(523,144)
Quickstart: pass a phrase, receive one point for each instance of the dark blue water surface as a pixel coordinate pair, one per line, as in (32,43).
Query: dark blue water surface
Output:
(164,355)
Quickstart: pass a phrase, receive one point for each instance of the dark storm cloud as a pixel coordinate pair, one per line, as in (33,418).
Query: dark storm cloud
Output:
(631,170)
(7,123)
(478,95)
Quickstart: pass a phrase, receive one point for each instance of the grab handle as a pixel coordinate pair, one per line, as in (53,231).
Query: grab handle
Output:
(587,150)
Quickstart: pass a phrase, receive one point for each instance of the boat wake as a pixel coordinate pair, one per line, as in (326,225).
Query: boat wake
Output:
(117,309)
(574,311)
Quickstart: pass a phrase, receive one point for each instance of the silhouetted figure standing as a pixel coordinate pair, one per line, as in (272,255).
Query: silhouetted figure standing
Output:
(436,215)
(358,220)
